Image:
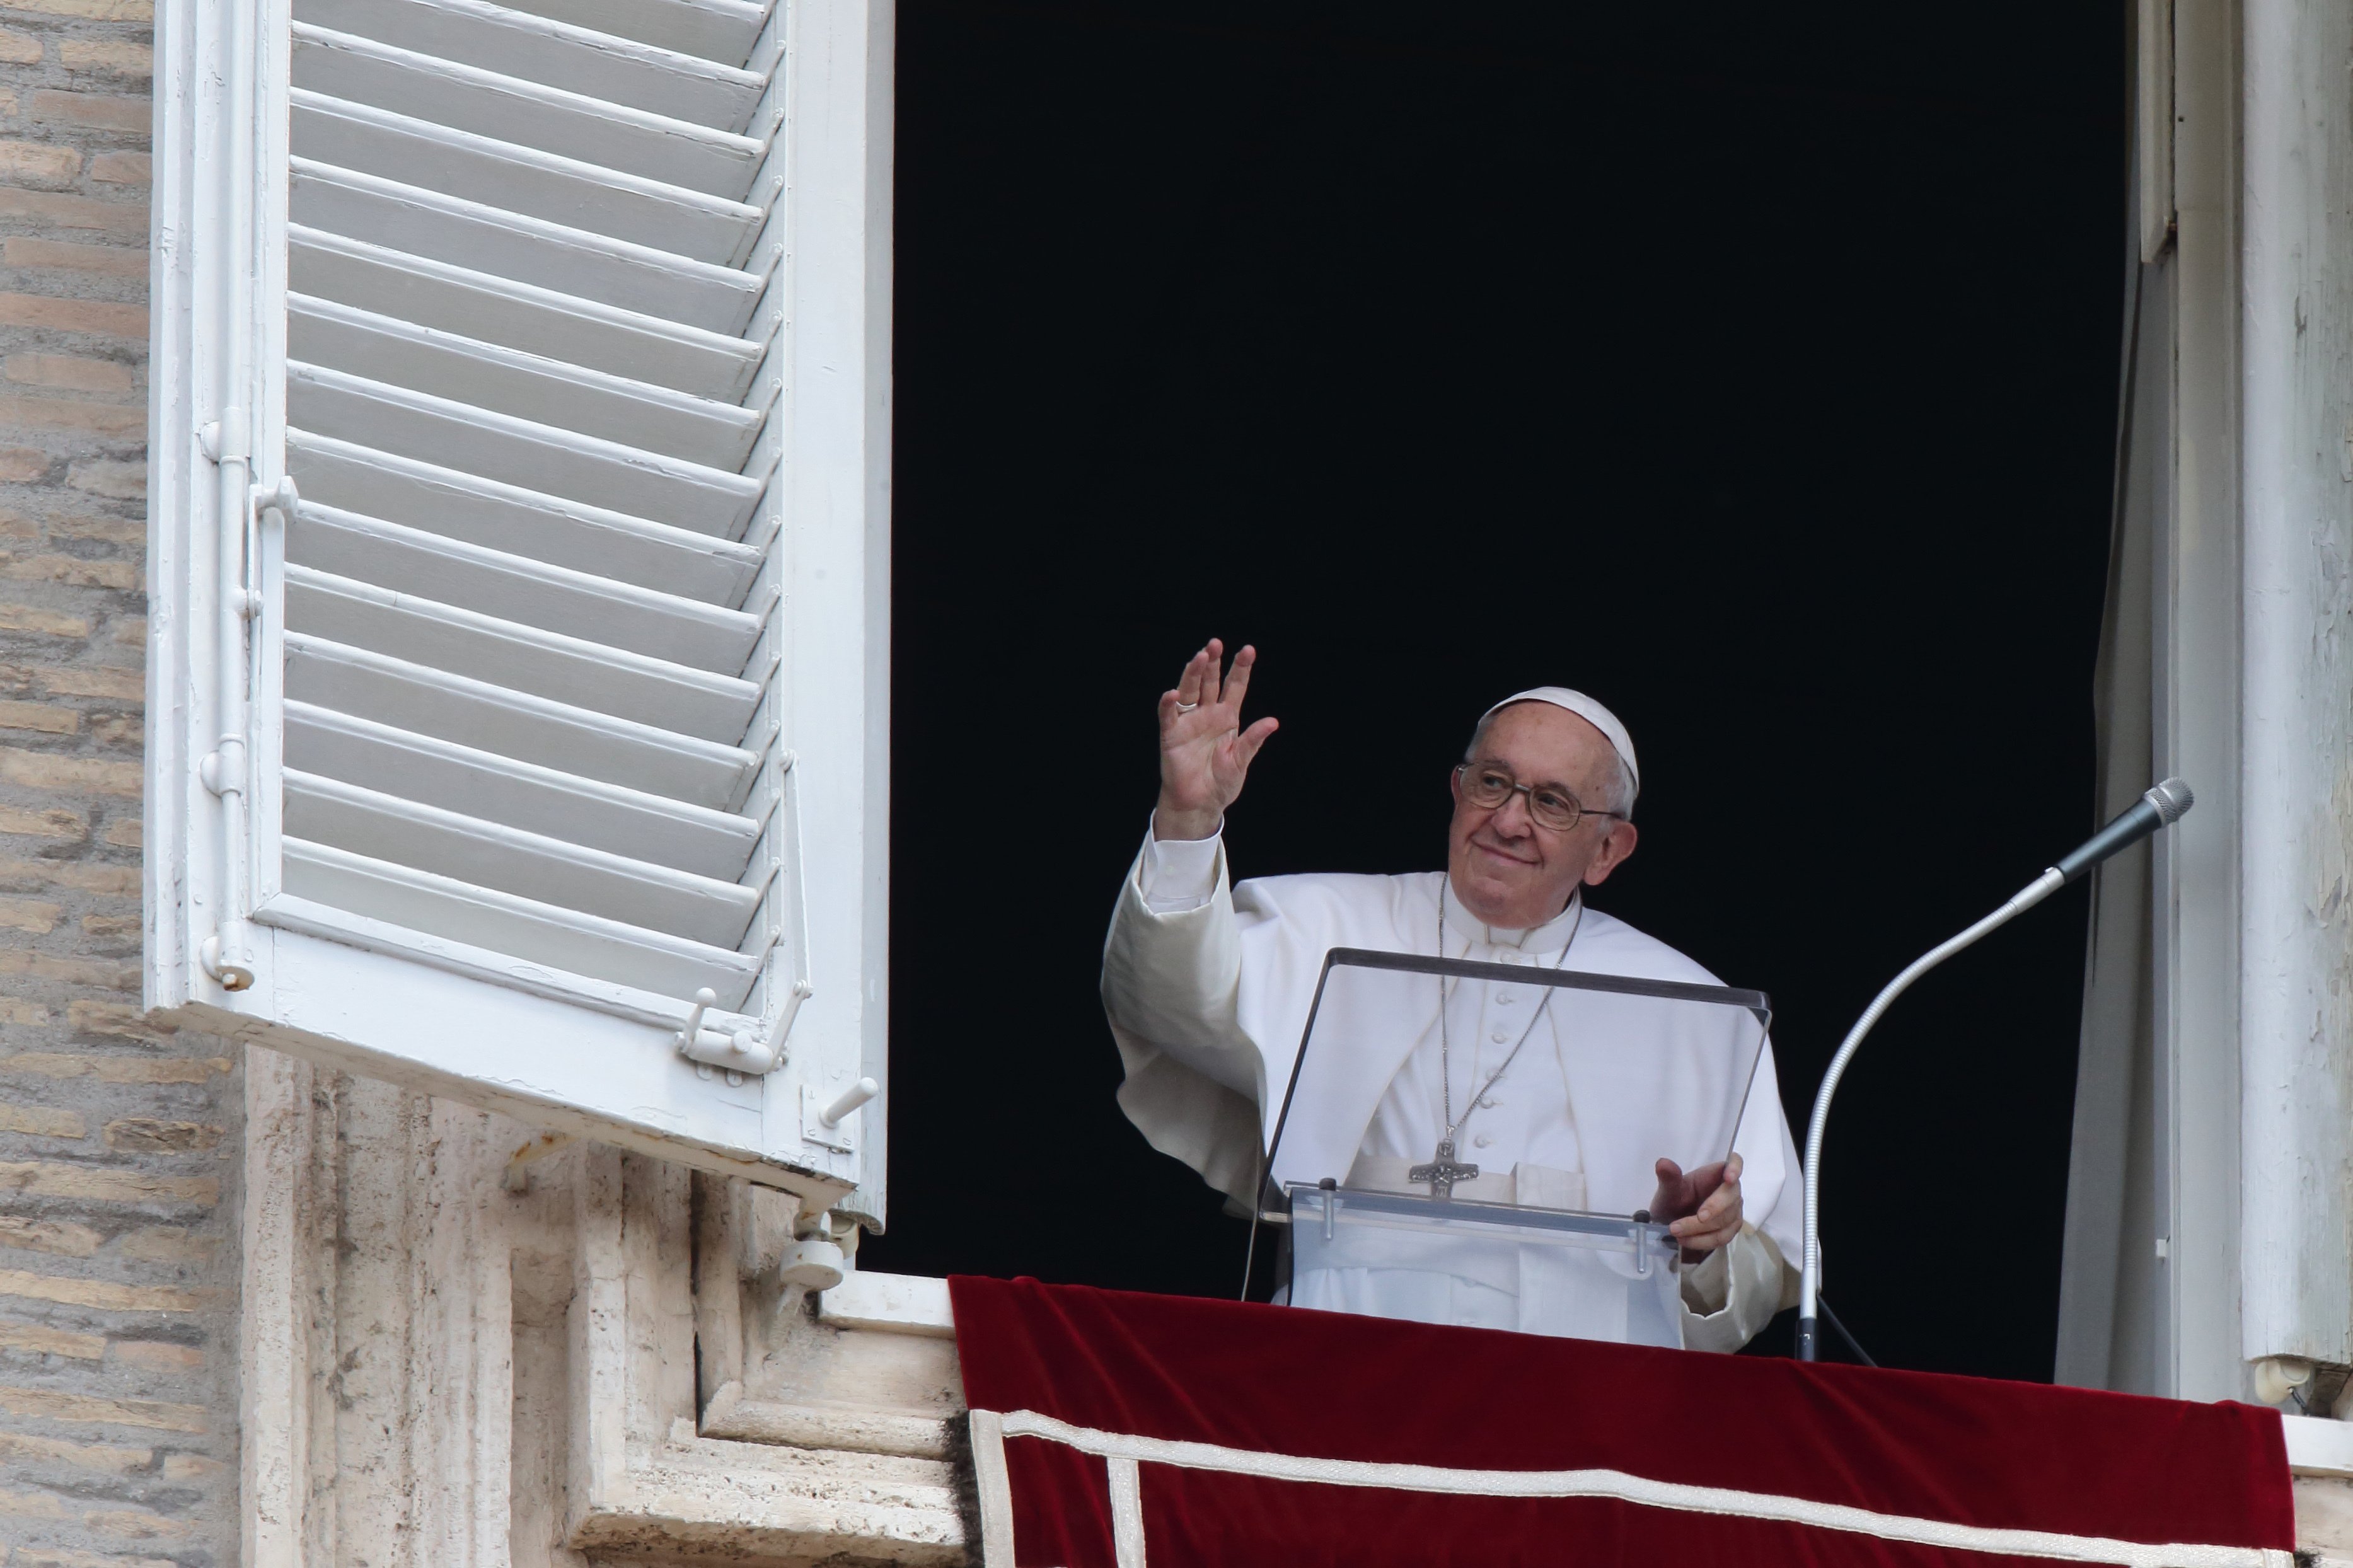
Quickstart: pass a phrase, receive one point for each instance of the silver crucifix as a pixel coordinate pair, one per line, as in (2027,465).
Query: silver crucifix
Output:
(1442,1173)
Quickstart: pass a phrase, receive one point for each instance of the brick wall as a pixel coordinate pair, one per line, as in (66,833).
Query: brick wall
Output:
(117,1139)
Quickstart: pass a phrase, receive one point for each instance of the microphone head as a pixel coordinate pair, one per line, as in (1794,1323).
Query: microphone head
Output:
(2172,799)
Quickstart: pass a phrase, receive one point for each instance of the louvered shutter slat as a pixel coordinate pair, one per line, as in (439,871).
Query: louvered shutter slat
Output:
(562,713)
(634,74)
(505,926)
(507,860)
(593,267)
(520,557)
(537,320)
(666,831)
(517,522)
(516,588)
(525,113)
(519,724)
(529,386)
(570,670)
(711,29)
(526,452)
(523,180)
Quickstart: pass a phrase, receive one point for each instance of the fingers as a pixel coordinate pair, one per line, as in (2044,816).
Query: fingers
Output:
(1245,747)
(1716,1223)
(1237,678)
(1207,684)
(1188,685)
(1707,1241)
(1725,1200)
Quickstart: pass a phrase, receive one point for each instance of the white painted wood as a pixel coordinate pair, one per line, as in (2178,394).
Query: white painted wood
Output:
(517,522)
(271,51)
(568,739)
(835,469)
(517,588)
(722,31)
(518,794)
(504,931)
(529,386)
(570,701)
(525,113)
(2196,865)
(181,861)
(507,860)
(581,59)
(563,259)
(520,315)
(522,179)
(636,1096)
(570,670)
(517,451)
(2296,994)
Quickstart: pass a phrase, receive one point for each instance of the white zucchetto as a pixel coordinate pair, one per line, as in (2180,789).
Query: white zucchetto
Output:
(1585,708)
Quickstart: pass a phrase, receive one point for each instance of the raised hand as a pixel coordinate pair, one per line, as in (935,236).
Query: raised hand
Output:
(1205,752)
(1704,1204)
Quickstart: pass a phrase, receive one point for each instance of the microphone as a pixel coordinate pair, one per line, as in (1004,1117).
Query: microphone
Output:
(2162,806)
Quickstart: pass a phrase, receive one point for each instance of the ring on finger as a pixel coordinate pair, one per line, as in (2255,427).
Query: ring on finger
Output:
(1187,707)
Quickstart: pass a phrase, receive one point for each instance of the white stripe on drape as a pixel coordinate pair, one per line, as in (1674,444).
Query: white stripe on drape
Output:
(1117,1446)
(995,1490)
(1126,1511)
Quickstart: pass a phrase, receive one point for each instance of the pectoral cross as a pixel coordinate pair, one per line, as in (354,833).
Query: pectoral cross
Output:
(1442,1173)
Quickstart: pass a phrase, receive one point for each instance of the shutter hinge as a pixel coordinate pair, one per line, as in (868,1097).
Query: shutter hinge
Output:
(234,970)
(224,770)
(227,439)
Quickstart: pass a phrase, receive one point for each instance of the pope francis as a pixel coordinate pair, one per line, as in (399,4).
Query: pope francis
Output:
(1208,985)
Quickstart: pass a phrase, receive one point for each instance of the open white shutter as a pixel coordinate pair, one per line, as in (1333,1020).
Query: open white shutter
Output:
(525,370)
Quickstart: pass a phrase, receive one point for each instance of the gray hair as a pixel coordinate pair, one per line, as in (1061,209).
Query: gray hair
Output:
(1622,788)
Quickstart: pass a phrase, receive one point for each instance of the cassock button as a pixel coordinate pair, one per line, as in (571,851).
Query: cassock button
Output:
(1499,1038)
(1505,998)
(1484,1140)
(1488,1103)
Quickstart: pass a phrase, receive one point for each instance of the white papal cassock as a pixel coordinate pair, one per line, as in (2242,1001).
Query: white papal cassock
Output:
(1208,987)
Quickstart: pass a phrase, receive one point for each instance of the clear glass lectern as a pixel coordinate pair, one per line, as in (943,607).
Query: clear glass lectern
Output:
(1564,1088)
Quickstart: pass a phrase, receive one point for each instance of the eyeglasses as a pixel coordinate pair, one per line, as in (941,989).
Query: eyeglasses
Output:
(1488,786)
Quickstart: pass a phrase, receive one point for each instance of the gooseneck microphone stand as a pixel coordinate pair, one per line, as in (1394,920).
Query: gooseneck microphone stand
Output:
(2160,807)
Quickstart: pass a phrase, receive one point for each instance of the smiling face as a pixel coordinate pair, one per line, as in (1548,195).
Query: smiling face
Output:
(1511,870)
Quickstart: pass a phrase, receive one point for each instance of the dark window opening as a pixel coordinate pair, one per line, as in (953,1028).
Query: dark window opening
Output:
(1753,371)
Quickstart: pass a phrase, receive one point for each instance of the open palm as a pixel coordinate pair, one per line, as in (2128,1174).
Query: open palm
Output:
(1205,752)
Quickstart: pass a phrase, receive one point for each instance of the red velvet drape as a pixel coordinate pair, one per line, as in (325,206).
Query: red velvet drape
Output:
(1282,1381)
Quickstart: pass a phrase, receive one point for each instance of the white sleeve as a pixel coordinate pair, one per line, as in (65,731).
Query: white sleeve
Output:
(1178,874)
(1171,979)
(1732,1292)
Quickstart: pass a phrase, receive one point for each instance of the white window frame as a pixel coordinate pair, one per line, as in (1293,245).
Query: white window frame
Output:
(584,1057)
